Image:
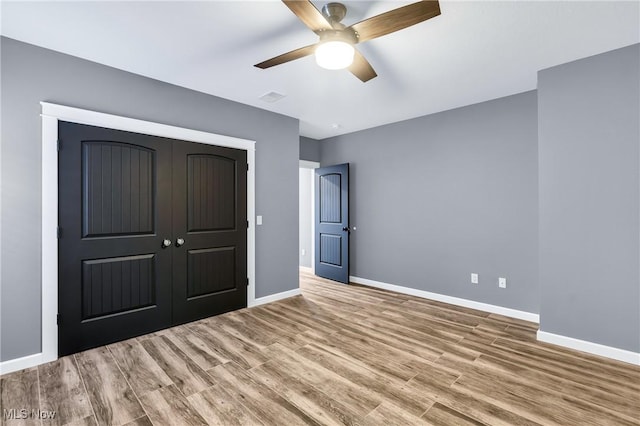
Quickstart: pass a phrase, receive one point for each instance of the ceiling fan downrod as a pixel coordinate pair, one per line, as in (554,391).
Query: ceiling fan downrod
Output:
(334,12)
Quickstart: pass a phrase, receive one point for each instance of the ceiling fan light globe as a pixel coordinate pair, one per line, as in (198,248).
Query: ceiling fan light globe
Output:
(334,55)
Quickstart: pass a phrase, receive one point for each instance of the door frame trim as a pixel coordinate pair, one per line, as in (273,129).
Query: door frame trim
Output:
(51,114)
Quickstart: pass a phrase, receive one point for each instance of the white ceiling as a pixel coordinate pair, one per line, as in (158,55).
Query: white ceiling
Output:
(473,52)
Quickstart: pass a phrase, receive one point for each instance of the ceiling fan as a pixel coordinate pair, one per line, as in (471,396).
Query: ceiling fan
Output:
(335,48)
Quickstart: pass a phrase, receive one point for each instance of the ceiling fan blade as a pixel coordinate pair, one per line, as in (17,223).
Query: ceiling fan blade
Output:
(361,68)
(287,57)
(308,14)
(396,19)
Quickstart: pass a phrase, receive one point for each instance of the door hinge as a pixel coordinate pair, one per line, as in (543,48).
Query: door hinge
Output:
(247,224)
(58,319)
(247,166)
(58,232)
(59,145)
(247,282)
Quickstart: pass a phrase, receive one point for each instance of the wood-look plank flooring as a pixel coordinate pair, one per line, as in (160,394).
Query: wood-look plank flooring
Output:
(335,355)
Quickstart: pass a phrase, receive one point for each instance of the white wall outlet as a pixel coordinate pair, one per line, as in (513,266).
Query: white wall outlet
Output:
(258,220)
(474,278)
(304,252)
(502,282)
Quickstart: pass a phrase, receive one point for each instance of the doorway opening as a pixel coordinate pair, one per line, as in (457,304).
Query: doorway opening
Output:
(306,249)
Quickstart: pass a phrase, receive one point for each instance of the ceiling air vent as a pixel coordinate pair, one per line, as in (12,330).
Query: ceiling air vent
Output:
(272,97)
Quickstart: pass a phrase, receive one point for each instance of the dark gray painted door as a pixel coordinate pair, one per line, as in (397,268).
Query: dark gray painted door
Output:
(332,222)
(125,199)
(210,228)
(114,276)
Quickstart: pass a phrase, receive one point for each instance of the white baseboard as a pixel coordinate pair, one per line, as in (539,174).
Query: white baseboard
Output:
(590,347)
(508,312)
(275,297)
(21,363)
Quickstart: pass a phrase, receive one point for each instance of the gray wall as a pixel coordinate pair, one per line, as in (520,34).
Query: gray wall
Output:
(305,220)
(439,197)
(309,149)
(589,199)
(31,74)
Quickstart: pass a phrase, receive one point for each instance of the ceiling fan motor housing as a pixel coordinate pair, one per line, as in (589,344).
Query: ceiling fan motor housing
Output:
(345,35)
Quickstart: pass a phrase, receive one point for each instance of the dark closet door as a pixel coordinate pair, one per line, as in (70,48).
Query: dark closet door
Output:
(114,213)
(210,228)
(153,233)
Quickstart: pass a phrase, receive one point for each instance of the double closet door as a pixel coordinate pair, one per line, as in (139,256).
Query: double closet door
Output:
(153,233)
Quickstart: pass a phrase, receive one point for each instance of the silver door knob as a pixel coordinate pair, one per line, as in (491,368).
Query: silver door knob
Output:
(166,243)
(179,242)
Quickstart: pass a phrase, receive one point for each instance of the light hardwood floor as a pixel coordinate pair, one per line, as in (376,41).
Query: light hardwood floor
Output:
(335,355)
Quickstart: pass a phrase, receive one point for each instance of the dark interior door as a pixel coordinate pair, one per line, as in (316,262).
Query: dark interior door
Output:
(152,234)
(332,222)
(210,228)
(114,212)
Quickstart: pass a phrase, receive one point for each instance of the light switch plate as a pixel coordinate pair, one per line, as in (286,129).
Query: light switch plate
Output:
(258,220)
(474,278)
(502,282)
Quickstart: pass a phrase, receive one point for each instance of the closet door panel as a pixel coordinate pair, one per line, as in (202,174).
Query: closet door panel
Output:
(114,197)
(210,225)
